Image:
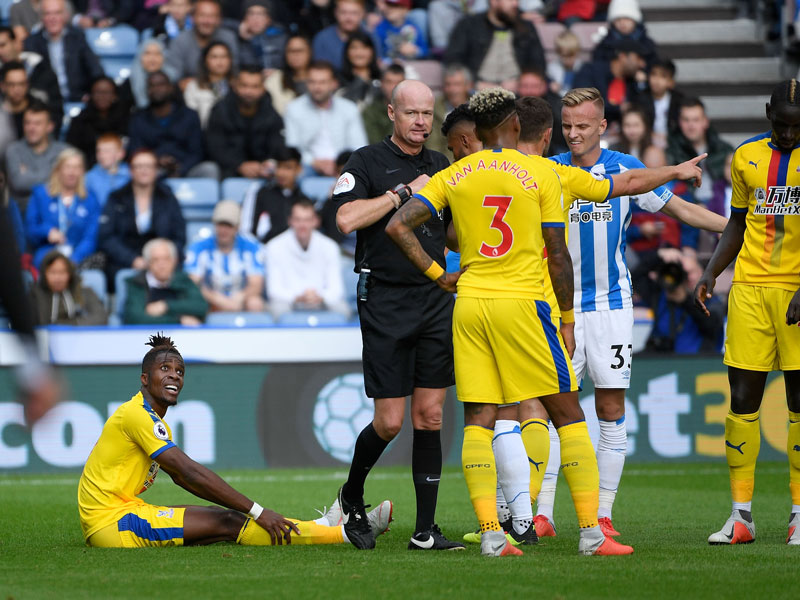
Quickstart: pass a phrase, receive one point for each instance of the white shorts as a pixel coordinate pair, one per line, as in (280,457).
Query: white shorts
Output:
(603,347)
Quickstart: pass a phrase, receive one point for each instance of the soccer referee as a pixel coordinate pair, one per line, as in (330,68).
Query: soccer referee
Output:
(405,318)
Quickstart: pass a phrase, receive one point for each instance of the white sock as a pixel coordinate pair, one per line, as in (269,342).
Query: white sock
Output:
(795,508)
(547,495)
(513,472)
(593,533)
(344,534)
(747,506)
(503,513)
(611,448)
(322,521)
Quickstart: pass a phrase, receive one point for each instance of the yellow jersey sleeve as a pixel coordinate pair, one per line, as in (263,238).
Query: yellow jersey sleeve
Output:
(146,429)
(551,202)
(434,194)
(577,183)
(740,197)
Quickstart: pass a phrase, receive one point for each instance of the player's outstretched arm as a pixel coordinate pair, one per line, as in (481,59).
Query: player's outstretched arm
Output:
(559,265)
(362,213)
(728,248)
(401,229)
(694,215)
(204,483)
(640,181)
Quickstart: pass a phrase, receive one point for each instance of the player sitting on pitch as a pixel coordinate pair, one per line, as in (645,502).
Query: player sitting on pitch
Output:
(136,442)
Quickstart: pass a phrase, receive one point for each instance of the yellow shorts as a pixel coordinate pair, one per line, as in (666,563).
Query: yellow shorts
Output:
(508,350)
(757,337)
(143,526)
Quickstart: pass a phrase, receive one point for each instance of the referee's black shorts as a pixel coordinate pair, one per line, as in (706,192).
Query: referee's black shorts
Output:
(408,339)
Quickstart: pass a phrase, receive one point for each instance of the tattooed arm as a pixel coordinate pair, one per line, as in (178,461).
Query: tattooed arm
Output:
(401,229)
(559,265)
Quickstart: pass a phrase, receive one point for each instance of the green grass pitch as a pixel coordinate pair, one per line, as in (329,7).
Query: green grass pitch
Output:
(665,511)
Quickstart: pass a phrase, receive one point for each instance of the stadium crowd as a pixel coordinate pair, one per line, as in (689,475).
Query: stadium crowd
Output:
(219,127)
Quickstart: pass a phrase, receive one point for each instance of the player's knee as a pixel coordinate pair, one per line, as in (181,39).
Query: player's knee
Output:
(429,418)
(388,426)
(230,522)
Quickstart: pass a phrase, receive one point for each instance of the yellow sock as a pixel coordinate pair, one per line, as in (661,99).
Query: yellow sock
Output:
(742,443)
(579,465)
(253,534)
(536,438)
(480,473)
(793,450)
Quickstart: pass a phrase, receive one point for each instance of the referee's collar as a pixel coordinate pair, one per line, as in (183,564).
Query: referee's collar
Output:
(424,154)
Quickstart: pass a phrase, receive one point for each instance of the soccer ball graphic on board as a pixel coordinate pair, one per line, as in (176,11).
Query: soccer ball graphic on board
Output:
(341,411)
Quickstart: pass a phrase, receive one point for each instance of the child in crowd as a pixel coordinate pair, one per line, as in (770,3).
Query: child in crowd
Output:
(176,17)
(110,172)
(398,37)
(663,99)
(561,71)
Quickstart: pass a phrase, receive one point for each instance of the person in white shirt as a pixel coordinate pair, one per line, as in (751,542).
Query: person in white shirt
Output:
(304,267)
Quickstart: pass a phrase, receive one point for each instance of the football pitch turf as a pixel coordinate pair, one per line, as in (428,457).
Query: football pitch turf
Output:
(665,511)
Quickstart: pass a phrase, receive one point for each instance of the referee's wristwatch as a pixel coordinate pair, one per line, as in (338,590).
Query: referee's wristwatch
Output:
(402,192)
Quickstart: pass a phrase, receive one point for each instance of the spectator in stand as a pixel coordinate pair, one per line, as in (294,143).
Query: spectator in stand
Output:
(289,82)
(213,81)
(243,134)
(110,172)
(721,199)
(496,45)
(25,16)
(8,134)
(621,82)
(103,13)
(361,75)
(65,48)
(58,298)
(162,293)
(169,129)
(562,70)
(103,113)
(15,94)
(174,20)
(398,37)
(376,116)
(575,11)
(226,266)
(456,89)
(637,136)
(138,212)
(150,58)
(186,49)
(261,38)
(266,213)
(442,17)
(625,24)
(310,17)
(696,135)
(662,101)
(533,82)
(149,13)
(320,124)
(329,43)
(304,267)
(61,214)
(42,82)
(30,160)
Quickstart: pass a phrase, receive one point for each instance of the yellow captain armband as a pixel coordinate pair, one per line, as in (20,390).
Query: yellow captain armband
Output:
(434,271)
(568,316)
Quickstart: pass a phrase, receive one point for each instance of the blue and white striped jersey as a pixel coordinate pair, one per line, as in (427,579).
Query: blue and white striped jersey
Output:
(225,273)
(597,237)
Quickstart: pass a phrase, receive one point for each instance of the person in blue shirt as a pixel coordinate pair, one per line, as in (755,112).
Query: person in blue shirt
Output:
(62,214)
(110,172)
(227,267)
(399,38)
(329,43)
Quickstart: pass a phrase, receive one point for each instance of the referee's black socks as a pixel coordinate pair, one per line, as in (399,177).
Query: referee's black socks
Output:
(369,447)
(426,468)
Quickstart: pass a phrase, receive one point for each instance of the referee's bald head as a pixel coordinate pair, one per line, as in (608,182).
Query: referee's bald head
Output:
(411,112)
(411,90)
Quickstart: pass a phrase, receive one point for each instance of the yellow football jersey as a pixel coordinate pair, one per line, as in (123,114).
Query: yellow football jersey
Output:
(500,199)
(766,185)
(122,464)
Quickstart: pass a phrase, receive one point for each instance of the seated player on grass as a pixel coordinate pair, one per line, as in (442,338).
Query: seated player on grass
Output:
(135,443)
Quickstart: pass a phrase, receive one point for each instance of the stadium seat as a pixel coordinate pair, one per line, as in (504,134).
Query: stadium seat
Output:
(548,32)
(312,318)
(589,33)
(71,110)
(95,279)
(239,319)
(317,188)
(428,72)
(235,188)
(116,316)
(5,10)
(197,196)
(350,281)
(119,41)
(198,230)
(118,68)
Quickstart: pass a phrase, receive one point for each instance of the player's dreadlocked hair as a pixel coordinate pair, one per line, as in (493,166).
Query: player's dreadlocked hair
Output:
(491,107)
(786,92)
(535,117)
(455,116)
(159,343)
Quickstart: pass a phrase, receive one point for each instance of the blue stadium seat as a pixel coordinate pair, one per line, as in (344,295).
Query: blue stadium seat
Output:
(350,280)
(116,316)
(197,196)
(120,40)
(235,188)
(5,10)
(312,318)
(239,319)
(198,230)
(95,279)
(71,110)
(118,68)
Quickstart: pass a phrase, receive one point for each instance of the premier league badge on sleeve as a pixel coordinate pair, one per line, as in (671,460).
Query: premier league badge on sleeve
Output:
(160,431)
